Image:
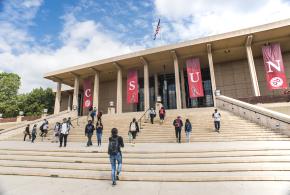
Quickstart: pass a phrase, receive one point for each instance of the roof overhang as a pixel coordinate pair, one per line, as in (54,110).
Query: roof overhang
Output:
(226,47)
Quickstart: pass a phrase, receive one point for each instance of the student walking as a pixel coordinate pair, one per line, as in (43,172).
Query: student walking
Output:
(63,133)
(188,129)
(152,115)
(33,133)
(217,120)
(162,114)
(57,128)
(177,123)
(44,129)
(89,131)
(99,116)
(99,132)
(114,150)
(70,125)
(27,132)
(93,114)
(133,129)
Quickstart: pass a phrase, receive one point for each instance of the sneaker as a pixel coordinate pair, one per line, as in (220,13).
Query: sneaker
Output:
(114,183)
(117,177)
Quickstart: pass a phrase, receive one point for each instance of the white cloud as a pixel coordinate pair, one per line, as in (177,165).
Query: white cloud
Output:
(190,19)
(82,42)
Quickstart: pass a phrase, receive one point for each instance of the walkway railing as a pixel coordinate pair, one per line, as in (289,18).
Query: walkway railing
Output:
(265,117)
(142,117)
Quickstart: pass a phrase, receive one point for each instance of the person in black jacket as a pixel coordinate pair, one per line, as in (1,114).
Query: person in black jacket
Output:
(27,132)
(89,131)
(177,123)
(114,150)
(133,129)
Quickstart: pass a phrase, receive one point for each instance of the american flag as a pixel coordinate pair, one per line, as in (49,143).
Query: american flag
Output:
(157,29)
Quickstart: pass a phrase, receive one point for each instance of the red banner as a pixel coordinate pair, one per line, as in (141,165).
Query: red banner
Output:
(132,87)
(88,97)
(273,62)
(194,78)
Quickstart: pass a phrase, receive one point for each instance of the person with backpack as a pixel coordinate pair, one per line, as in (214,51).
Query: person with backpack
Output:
(177,123)
(99,132)
(188,129)
(89,131)
(69,123)
(162,114)
(57,128)
(152,115)
(114,150)
(41,128)
(133,129)
(93,114)
(27,132)
(63,133)
(217,120)
(33,133)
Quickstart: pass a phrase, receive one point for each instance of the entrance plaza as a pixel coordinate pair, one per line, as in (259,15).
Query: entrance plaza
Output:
(249,155)
(230,62)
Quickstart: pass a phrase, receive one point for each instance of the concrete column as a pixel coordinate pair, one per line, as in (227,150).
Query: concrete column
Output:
(57,98)
(119,104)
(76,92)
(212,76)
(146,84)
(69,102)
(177,82)
(156,86)
(182,88)
(96,89)
(252,68)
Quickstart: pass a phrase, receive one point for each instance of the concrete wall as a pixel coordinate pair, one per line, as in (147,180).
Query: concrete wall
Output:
(234,81)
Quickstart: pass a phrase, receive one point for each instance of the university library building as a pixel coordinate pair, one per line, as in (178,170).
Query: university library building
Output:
(251,65)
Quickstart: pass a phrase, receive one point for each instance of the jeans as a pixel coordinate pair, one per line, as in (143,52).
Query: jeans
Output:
(26,135)
(63,138)
(178,134)
(33,138)
(89,143)
(152,118)
(217,125)
(99,138)
(113,159)
(188,136)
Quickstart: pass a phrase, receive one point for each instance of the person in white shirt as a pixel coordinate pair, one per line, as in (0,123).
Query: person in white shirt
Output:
(217,120)
(63,133)
(133,130)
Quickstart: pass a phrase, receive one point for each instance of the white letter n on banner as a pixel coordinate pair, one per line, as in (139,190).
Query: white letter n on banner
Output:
(276,66)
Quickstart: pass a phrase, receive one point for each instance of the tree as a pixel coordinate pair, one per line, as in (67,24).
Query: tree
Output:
(9,86)
(32,103)
(36,101)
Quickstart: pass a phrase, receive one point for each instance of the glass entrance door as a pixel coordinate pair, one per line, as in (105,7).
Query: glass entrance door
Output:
(167,91)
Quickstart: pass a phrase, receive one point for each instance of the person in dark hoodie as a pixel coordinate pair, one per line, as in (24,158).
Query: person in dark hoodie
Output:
(89,131)
(114,150)
(177,123)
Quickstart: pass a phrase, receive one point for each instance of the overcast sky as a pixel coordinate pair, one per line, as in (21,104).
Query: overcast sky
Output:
(38,36)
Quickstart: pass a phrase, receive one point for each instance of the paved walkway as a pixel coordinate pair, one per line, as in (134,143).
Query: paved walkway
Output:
(20,185)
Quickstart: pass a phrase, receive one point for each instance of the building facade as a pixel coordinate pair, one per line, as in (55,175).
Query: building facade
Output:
(231,62)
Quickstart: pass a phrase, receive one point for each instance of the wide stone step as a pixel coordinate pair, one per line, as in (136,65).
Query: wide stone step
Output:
(153,176)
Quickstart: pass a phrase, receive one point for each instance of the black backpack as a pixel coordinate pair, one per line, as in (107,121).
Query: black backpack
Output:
(114,146)
(41,127)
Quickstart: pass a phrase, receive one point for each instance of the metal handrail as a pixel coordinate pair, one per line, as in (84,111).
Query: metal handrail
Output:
(140,119)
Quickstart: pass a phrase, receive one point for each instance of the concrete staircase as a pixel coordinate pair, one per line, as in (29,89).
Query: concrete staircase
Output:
(243,151)
(233,128)
(178,162)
